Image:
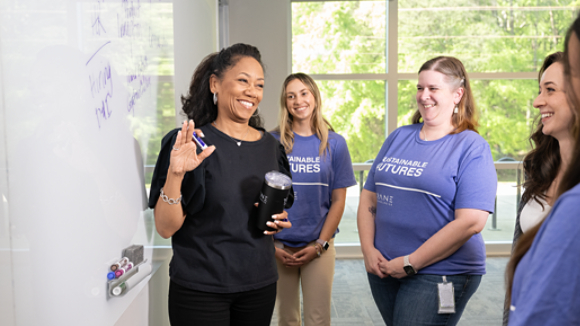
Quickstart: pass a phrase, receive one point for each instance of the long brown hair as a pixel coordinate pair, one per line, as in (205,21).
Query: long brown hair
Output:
(456,77)
(570,179)
(317,122)
(541,167)
(542,163)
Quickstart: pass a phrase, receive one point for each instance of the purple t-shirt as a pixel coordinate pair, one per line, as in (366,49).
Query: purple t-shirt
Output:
(419,185)
(547,280)
(313,179)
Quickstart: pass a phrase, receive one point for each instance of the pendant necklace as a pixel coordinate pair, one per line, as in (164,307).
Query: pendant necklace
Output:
(238,142)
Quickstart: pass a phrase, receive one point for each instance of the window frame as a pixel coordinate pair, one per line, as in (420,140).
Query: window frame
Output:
(392,78)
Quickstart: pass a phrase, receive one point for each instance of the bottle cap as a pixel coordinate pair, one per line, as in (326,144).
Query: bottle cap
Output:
(278,180)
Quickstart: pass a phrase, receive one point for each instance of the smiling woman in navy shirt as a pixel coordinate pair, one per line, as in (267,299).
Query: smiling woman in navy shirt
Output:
(425,202)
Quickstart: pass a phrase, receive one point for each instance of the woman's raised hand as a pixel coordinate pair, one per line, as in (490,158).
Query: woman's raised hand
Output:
(183,155)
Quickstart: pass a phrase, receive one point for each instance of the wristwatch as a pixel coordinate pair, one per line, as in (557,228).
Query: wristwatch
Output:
(409,269)
(323,243)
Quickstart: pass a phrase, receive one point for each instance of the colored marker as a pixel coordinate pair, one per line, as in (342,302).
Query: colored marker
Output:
(198,141)
(119,272)
(111,275)
(119,289)
(119,264)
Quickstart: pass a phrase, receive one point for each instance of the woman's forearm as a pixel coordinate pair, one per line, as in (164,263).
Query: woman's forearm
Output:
(450,238)
(337,204)
(366,214)
(169,218)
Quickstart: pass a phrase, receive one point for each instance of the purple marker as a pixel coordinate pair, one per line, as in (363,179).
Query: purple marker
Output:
(198,141)
(120,272)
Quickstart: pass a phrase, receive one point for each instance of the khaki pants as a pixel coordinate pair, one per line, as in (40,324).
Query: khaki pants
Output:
(316,280)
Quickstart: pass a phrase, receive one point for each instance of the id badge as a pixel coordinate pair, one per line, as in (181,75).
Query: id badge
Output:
(446,297)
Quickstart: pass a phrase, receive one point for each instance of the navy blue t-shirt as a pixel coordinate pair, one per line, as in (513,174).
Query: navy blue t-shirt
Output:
(314,177)
(419,185)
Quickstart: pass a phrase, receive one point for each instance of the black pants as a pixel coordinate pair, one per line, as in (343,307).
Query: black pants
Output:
(196,308)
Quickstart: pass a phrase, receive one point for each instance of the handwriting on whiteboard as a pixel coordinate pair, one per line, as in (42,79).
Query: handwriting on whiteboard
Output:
(101,85)
(138,82)
(127,31)
(97,27)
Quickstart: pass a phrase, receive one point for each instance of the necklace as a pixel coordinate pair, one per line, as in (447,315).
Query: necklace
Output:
(239,142)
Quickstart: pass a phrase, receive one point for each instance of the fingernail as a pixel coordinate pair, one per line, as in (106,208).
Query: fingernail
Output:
(277,222)
(270,224)
(266,232)
(274,216)
(201,134)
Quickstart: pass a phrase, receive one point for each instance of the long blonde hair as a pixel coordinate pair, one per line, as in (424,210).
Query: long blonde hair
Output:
(456,76)
(317,122)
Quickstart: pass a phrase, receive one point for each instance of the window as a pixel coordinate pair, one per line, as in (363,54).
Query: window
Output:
(365,56)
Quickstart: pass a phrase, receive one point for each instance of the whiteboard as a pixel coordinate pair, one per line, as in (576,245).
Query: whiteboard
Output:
(78,106)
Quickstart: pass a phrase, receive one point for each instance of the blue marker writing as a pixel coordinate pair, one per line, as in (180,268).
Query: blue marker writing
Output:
(198,141)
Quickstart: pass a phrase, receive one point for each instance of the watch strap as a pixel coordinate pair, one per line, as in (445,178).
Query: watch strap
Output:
(409,269)
(323,243)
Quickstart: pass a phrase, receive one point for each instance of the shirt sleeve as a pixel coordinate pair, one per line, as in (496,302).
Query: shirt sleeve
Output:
(342,165)
(476,180)
(284,167)
(548,277)
(370,182)
(192,186)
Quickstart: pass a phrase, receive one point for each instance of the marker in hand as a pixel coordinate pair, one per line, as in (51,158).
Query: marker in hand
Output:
(198,141)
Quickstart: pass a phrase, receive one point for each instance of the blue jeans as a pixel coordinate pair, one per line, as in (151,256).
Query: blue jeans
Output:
(412,300)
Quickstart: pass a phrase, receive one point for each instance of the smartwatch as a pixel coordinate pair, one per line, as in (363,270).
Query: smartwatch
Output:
(323,243)
(409,269)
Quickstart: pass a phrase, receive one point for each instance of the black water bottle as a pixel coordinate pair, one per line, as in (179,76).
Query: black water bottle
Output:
(272,197)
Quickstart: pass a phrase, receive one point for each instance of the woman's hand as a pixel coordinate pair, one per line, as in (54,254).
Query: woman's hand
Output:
(304,256)
(284,257)
(183,156)
(280,223)
(394,267)
(373,259)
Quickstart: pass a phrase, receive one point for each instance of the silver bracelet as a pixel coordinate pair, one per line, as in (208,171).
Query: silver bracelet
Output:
(168,200)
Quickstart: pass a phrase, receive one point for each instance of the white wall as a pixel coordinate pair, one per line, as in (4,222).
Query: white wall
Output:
(192,44)
(266,25)
(6,288)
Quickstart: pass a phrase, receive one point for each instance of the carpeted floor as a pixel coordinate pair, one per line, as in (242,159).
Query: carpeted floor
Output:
(352,302)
